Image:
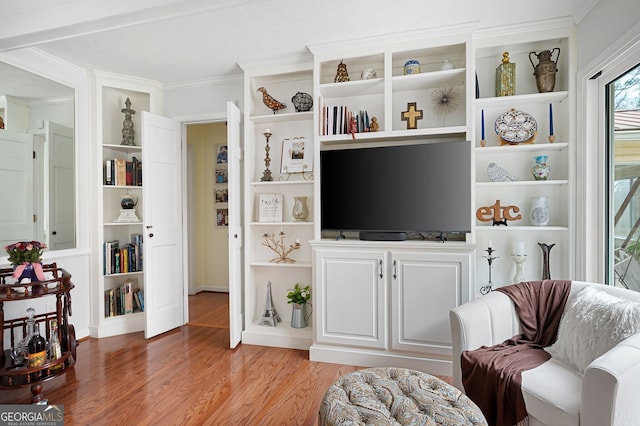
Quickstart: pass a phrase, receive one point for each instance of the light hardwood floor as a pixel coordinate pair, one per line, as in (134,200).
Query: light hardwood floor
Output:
(188,376)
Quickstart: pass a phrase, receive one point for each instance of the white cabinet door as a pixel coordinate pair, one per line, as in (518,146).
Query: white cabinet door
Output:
(350,300)
(61,167)
(424,287)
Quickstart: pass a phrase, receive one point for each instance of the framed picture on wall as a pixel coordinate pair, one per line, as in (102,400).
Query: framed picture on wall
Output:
(221,176)
(221,154)
(297,156)
(222,218)
(222,195)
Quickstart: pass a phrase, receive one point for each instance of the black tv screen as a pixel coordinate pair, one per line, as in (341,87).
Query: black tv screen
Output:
(404,188)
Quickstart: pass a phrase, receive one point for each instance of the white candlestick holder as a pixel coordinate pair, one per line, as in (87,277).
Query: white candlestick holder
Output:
(518,260)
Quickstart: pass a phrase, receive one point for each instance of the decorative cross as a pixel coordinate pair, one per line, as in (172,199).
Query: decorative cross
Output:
(412,115)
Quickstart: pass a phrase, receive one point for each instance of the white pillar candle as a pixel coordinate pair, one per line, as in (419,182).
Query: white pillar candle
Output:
(518,248)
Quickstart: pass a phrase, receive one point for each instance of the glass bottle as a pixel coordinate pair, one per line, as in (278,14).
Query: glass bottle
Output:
(37,354)
(55,350)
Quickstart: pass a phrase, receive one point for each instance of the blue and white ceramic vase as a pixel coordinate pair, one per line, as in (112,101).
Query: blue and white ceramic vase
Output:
(541,169)
(412,66)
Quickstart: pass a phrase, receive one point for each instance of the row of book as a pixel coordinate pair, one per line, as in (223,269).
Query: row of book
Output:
(122,172)
(119,259)
(336,120)
(122,300)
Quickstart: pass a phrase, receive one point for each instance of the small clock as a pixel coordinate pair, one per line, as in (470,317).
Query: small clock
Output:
(515,127)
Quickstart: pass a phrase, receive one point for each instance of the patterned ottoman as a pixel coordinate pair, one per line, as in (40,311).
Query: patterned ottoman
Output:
(393,396)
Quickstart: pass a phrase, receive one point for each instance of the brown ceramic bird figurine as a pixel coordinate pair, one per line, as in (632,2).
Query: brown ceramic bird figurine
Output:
(270,102)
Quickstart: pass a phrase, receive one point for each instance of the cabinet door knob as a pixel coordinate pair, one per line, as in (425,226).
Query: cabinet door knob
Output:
(151,235)
(54,233)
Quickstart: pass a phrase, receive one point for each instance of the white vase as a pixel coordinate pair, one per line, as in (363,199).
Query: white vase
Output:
(539,213)
(300,210)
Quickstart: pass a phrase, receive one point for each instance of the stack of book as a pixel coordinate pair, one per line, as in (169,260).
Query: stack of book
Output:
(336,119)
(122,172)
(122,259)
(125,299)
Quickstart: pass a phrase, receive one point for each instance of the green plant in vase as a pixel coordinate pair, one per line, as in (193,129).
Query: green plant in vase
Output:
(299,297)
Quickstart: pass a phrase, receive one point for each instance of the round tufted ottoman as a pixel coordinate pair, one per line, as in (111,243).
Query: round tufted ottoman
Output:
(392,396)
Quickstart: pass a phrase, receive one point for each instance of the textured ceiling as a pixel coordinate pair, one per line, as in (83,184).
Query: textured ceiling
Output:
(184,41)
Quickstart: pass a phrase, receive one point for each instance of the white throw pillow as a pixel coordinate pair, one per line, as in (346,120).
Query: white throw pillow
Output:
(591,324)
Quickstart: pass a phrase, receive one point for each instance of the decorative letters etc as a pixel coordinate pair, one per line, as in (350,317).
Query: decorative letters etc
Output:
(498,214)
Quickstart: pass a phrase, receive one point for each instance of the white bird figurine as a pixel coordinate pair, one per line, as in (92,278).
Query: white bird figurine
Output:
(498,174)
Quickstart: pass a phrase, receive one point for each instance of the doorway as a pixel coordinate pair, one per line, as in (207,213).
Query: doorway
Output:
(207,240)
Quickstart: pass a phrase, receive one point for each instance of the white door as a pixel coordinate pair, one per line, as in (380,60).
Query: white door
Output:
(16,188)
(162,216)
(234,146)
(61,165)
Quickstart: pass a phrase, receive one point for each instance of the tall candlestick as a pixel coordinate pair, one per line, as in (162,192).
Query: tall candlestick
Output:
(552,137)
(483,141)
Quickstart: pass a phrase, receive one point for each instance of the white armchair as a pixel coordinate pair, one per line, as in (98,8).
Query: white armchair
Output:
(554,393)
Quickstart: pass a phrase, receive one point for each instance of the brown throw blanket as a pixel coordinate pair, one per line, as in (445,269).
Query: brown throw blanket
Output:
(492,375)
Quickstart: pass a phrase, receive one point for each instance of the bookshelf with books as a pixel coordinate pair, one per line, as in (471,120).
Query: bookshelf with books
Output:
(119,304)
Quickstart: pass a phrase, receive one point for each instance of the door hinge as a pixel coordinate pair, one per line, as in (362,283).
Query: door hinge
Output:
(34,218)
(34,155)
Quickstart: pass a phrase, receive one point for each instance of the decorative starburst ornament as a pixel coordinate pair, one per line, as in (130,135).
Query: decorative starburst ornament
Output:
(445,100)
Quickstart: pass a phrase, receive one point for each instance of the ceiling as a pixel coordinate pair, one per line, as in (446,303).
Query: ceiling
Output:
(186,41)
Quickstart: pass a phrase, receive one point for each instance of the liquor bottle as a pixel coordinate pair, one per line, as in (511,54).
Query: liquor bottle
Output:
(37,354)
(55,350)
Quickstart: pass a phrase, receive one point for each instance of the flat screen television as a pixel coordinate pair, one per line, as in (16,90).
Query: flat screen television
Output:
(391,191)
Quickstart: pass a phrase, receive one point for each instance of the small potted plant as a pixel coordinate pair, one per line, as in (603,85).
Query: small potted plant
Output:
(299,298)
(26,257)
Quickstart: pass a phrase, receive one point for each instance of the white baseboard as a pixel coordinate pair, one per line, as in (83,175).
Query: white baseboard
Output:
(209,288)
(367,358)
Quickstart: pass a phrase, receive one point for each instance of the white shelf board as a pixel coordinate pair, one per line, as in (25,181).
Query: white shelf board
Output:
(530,147)
(512,101)
(403,83)
(374,86)
(300,223)
(281,265)
(124,148)
(455,131)
(558,182)
(282,183)
(282,117)
(521,228)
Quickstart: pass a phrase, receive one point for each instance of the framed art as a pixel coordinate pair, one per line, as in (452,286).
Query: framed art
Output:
(297,156)
(221,154)
(221,176)
(222,195)
(270,208)
(222,218)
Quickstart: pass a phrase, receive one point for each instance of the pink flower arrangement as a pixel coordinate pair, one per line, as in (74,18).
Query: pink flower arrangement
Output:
(25,252)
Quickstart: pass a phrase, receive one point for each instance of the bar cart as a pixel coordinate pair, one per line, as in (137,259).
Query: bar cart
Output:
(14,372)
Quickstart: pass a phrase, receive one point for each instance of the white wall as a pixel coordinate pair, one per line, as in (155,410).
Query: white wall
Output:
(603,25)
(203,99)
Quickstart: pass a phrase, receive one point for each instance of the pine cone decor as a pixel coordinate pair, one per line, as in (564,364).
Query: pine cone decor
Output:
(270,102)
(341,75)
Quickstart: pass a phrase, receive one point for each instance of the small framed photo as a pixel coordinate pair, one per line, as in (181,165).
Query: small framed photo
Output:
(222,195)
(221,154)
(297,156)
(221,176)
(222,218)
(270,208)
